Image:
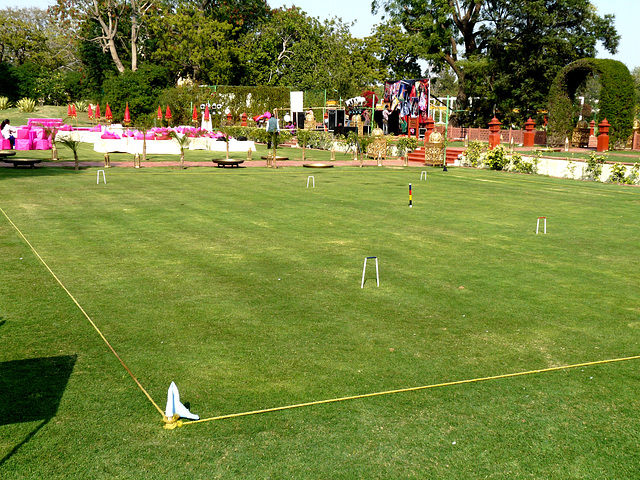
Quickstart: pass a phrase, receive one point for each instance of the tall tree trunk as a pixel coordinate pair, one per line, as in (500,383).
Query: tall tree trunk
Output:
(134,39)
(144,147)
(115,56)
(109,31)
(138,10)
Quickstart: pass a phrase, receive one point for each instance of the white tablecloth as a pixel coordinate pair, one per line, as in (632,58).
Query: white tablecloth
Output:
(129,145)
(214,145)
(169,147)
(82,136)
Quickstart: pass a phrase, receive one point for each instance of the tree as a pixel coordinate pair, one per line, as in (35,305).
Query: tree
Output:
(530,45)
(446,30)
(140,89)
(22,39)
(96,64)
(244,15)
(444,83)
(272,51)
(293,49)
(396,50)
(194,45)
(37,55)
(32,35)
(114,17)
(636,80)
(503,50)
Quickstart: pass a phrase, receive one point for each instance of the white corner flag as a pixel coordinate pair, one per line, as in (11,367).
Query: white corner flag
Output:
(174,406)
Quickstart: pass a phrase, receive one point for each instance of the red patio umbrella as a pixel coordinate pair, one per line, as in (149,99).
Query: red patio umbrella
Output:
(194,117)
(69,110)
(90,113)
(127,115)
(107,113)
(167,115)
(74,113)
(97,111)
(159,113)
(206,113)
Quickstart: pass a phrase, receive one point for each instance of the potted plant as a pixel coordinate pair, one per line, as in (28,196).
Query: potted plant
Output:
(72,145)
(183,142)
(406,145)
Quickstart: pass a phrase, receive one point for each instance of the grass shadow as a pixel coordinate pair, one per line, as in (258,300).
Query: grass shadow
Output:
(33,389)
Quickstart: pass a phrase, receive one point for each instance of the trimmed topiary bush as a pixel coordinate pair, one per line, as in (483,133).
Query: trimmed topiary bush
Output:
(617,99)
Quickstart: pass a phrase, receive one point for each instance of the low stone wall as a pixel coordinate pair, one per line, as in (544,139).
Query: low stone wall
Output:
(574,169)
(565,168)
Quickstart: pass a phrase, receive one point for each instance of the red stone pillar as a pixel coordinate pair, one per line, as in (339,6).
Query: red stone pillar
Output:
(229,119)
(429,126)
(244,119)
(592,127)
(494,135)
(603,137)
(529,133)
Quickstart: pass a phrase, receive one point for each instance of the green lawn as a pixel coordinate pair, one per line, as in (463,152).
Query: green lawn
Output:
(243,287)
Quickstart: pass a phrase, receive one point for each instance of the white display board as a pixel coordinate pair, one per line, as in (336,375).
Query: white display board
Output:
(297,101)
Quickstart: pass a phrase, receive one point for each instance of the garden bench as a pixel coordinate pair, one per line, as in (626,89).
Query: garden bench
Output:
(228,163)
(6,153)
(19,162)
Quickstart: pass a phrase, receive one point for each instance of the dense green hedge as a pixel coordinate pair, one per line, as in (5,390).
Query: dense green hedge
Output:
(617,98)
(250,100)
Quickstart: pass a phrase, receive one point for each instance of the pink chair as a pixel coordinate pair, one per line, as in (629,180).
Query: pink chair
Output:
(23,143)
(6,144)
(42,144)
(23,134)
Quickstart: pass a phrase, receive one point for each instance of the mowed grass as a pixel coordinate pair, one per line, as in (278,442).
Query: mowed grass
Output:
(243,287)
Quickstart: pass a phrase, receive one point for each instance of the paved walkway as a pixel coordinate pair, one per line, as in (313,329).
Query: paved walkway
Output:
(392,162)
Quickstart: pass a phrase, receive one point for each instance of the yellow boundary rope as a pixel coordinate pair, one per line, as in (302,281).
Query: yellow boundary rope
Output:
(404,390)
(171,423)
(85,314)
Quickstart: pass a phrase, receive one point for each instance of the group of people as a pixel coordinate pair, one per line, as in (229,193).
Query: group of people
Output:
(8,132)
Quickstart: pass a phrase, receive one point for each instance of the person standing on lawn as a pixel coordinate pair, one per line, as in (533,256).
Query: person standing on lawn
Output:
(272,128)
(385,120)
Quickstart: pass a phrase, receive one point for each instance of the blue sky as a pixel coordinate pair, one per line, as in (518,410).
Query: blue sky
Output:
(627,13)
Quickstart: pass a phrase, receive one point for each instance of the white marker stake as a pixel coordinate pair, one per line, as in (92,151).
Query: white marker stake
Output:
(538,225)
(364,270)
(98,177)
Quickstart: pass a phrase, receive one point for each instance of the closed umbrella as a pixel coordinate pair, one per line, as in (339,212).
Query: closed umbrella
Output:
(127,115)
